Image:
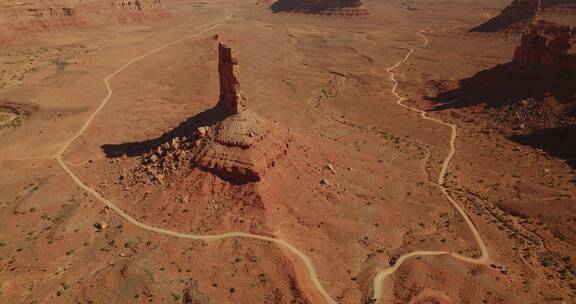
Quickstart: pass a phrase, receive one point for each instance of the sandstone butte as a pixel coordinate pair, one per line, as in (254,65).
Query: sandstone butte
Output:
(243,145)
(237,145)
(548,45)
(45,16)
(137,5)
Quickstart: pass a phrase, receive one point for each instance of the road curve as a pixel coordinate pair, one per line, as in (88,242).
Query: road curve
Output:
(484,258)
(312,273)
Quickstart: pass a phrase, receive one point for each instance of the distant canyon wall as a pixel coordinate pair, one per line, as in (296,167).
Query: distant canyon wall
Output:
(138,11)
(56,15)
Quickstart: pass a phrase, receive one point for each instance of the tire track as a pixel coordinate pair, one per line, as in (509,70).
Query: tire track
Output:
(484,258)
(313,275)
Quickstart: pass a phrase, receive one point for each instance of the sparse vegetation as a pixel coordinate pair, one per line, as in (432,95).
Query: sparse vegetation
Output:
(60,63)
(176,297)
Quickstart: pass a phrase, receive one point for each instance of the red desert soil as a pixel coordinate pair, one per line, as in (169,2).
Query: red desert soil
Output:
(397,158)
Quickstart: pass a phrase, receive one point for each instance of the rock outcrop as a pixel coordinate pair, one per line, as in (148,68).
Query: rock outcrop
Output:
(17,108)
(133,11)
(12,114)
(231,99)
(52,12)
(34,16)
(549,46)
(342,8)
(234,144)
(241,148)
(134,5)
(40,17)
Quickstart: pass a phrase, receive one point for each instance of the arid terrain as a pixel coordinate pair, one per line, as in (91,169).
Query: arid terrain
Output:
(290,151)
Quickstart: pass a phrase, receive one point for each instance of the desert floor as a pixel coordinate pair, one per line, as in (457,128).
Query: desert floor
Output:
(373,203)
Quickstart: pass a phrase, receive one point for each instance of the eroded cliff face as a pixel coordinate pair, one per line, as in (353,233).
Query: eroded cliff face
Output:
(34,15)
(134,5)
(133,11)
(343,8)
(548,45)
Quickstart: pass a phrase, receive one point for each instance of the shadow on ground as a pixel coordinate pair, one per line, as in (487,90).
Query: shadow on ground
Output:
(185,129)
(546,4)
(506,84)
(559,142)
(503,21)
(311,6)
(516,16)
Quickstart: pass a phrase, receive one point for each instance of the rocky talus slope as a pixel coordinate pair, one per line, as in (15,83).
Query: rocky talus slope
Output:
(238,145)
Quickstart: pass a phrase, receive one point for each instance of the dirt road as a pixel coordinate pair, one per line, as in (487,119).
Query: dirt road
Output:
(313,274)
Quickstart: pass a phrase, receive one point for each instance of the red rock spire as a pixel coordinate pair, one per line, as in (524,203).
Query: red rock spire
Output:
(231,99)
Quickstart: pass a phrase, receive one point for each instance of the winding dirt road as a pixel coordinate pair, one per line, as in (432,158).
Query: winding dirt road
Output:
(484,258)
(312,273)
(314,278)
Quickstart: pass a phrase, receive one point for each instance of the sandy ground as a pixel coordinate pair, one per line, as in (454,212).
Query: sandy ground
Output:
(328,80)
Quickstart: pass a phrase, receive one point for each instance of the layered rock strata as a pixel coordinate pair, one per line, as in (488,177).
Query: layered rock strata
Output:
(549,46)
(240,146)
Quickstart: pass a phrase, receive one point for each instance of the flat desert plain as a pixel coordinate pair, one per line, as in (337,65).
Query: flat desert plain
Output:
(182,151)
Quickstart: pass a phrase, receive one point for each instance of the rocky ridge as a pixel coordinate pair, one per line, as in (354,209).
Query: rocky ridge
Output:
(54,15)
(42,16)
